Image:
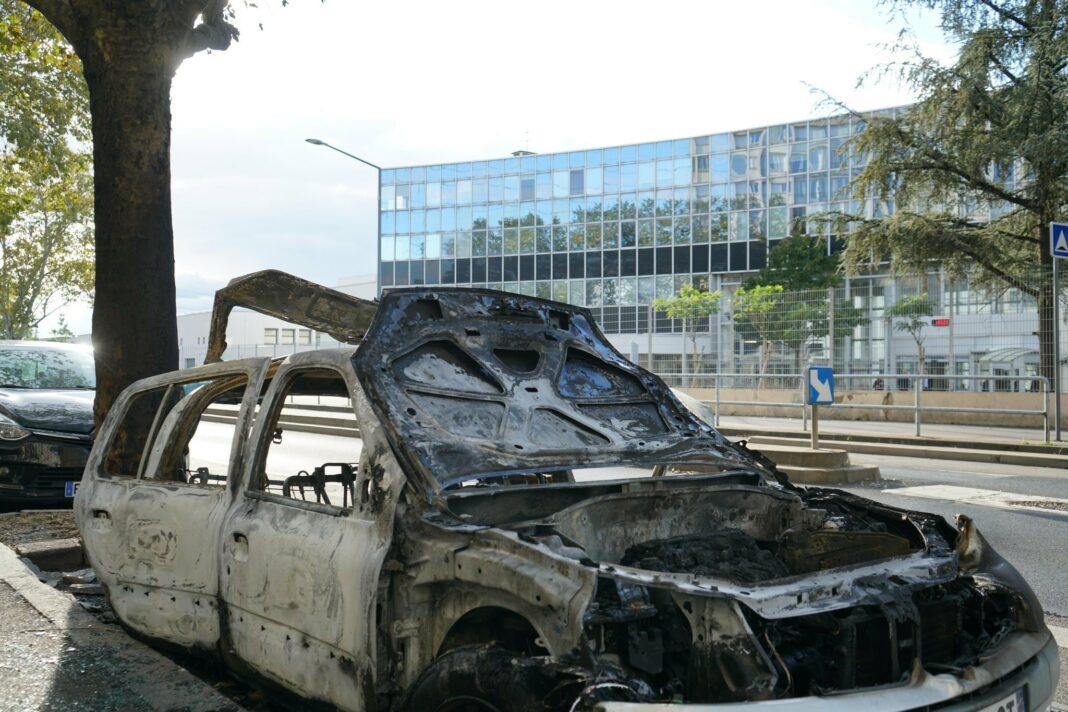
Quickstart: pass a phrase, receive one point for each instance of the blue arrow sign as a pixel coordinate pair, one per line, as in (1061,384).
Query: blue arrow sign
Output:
(1058,240)
(820,385)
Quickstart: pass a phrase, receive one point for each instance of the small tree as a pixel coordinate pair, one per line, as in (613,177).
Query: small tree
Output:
(911,315)
(757,309)
(689,305)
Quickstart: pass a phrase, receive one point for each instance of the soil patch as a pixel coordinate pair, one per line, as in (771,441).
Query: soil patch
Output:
(24,527)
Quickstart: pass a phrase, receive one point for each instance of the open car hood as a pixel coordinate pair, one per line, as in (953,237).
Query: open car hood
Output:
(471,383)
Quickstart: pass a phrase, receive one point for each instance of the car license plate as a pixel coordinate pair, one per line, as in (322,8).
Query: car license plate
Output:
(70,488)
(1016,702)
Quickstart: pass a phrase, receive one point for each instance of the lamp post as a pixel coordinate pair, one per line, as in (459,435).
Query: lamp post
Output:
(378,204)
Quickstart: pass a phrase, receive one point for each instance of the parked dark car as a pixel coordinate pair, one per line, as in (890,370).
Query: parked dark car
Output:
(46,420)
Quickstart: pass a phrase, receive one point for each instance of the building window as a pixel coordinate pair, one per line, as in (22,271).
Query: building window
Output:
(270,336)
(577,182)
(288,337)
(190,362)
(305,337)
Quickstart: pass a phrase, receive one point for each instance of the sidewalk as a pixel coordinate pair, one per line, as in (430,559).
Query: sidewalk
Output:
(56,656)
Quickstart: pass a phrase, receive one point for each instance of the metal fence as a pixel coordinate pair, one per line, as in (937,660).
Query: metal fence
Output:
(788,391)
(954,331)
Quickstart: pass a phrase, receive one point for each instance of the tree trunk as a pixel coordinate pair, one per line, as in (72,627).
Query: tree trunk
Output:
(135,331)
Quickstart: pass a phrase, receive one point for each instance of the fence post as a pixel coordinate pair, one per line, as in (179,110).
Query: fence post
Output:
(717,377)
(1045,414)
(830,328)
(649,356)
(919,388)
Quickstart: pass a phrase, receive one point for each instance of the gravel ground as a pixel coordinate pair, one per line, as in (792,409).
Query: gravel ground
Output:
(24,527)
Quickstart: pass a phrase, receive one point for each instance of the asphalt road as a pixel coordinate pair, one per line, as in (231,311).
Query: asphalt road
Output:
(1035,541)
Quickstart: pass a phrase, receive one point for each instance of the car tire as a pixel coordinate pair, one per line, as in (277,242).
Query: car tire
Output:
(474,678)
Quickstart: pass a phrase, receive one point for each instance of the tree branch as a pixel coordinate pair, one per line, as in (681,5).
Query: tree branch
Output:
(1006,15)
(214,31)
(981,257)
(939,162)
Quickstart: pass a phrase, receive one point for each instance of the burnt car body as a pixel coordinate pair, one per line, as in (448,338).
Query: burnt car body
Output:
(46,420)
(463,566)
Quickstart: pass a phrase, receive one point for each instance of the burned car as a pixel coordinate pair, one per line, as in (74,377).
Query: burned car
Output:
(46,420)
(526,521)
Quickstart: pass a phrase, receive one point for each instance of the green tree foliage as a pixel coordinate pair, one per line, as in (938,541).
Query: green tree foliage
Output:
(759,310)
(801,310)
(911,315)
(43,101)
(977,168)
(791,320)
(46,224)
(690,305)
(798,262)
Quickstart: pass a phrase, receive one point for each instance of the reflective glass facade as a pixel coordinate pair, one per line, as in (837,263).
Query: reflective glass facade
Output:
(614,228)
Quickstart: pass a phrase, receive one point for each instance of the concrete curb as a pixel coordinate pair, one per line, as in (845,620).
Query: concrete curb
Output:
(924,450)
(54,554)
(133,675)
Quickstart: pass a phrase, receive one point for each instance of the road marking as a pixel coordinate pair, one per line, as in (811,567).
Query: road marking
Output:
(982,497)
(912,471)
(1060,635)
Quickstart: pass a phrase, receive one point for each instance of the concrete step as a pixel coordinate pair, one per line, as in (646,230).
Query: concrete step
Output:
(788,454)
(923,450)
(847,474)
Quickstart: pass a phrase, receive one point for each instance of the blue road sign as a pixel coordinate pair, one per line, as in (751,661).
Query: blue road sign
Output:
(1058,240)
(820,385)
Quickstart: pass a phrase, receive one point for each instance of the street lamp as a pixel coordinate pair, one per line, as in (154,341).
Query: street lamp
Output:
(378,205)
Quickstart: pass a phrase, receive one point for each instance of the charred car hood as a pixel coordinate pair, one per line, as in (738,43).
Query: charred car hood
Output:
(474,383)
(68,411)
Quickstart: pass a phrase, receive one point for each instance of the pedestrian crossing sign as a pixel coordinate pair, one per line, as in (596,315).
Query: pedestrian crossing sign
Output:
(1058,240)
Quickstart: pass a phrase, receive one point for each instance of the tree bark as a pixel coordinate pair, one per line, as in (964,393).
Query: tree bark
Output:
(135,331)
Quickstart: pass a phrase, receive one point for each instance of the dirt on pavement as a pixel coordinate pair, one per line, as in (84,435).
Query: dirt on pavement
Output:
(18,528)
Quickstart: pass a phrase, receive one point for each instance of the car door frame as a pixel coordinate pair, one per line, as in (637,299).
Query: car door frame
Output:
(300,579)
(154,543)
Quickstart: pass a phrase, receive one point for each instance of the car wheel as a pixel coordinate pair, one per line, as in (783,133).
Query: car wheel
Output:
(474,678)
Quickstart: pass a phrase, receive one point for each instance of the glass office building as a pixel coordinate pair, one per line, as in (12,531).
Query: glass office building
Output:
(613,228)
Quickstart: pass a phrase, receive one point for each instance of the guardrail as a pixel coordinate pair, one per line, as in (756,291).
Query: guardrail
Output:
(877,383)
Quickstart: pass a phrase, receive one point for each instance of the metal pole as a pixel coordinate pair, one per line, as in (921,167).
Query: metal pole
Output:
(1056,350)
(952,365)
(378,233)
(919,387)
(830,324)
(378,205)
(1045,409)
(683,371)
(815,427)
(804,402)
(649,350)
(717,400)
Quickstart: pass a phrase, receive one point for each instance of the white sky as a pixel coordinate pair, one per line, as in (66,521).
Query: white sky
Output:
(421,82)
